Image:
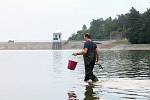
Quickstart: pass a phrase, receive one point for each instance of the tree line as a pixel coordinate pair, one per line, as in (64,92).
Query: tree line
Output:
(133,26)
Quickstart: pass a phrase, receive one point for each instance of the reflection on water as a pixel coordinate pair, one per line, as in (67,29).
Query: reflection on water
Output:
(72,95)
(90,94)
(127,64)
(43,75)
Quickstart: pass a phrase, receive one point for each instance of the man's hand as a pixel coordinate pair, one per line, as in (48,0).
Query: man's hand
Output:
(75,54)
(96,62)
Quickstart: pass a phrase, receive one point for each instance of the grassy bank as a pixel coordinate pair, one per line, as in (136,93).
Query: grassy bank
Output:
(124,41)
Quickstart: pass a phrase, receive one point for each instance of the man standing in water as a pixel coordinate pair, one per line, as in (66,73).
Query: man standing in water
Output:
(91,56)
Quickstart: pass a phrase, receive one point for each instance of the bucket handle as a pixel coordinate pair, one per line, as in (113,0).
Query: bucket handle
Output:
(72,57)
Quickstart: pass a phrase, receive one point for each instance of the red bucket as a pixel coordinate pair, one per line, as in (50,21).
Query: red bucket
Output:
(72,64)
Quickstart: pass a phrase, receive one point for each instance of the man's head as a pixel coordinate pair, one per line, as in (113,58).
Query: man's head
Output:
(87,36)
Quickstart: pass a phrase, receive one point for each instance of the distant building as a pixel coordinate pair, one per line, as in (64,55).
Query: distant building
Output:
(57,40)
(57,36)
(11,41)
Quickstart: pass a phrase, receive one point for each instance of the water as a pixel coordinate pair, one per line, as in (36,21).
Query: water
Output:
(43,75)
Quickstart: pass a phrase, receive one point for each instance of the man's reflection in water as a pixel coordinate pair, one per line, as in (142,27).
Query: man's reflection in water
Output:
(72,95)
(90,94)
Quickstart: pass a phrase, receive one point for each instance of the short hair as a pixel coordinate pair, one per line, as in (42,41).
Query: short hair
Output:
(87,35)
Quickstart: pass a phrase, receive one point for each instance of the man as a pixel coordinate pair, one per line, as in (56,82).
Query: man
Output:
(91,56)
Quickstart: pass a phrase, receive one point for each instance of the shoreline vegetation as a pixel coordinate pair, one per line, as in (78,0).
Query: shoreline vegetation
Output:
(133,26)
(103,45)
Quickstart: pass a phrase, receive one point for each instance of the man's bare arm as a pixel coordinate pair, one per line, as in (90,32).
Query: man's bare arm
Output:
(97,55)
(84,51)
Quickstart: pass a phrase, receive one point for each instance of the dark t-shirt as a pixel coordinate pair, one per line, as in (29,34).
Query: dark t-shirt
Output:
(90,45)
(91,53)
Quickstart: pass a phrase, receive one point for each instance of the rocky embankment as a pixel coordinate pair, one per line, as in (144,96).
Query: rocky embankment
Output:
(25,46)
(103,45)
(108,45)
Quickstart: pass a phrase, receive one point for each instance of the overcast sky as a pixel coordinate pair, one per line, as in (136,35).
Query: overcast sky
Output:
(33,20)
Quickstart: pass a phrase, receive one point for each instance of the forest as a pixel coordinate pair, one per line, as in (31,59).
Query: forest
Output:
(133,26)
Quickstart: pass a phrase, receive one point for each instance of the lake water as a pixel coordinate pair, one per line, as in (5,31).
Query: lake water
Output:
(43,75)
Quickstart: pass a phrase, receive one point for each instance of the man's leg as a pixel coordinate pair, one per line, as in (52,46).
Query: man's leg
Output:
(88,72)
(93,77)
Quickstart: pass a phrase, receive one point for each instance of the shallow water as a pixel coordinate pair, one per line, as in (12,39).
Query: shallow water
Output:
(43,75)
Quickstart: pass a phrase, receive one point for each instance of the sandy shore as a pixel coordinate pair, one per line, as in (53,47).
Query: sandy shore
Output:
(103,45)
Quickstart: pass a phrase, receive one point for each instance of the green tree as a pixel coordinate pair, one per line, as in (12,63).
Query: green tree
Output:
(84,27)
(80,33)
(122,24)
(108,27)
(133,25)
(135,30)
(146,26)
(97,28)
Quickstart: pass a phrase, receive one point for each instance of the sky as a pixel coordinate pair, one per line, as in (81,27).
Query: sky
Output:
(37,20)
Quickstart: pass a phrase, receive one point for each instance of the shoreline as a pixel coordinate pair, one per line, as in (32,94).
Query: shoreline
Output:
(76,45)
